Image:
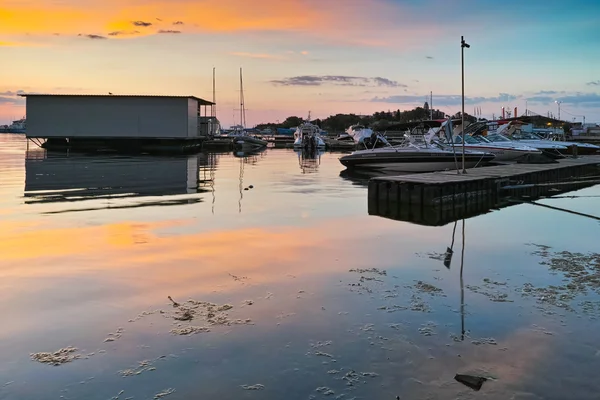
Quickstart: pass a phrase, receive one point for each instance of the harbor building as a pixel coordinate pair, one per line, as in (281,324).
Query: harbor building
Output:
(119,122)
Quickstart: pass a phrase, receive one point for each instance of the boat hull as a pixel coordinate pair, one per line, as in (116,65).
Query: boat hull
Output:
(582,148)
(502,154)
(249,141)
(414,164)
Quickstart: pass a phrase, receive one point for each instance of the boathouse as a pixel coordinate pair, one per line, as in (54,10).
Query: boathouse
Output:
(120,122)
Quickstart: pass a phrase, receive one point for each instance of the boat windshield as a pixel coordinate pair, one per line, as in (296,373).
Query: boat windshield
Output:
(481,139)
(468,139)
(495,137)
(526,135)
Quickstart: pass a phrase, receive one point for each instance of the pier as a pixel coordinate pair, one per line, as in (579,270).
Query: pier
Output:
(438,198)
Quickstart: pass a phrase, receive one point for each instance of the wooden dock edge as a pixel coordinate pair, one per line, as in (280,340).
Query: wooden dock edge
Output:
(434,198)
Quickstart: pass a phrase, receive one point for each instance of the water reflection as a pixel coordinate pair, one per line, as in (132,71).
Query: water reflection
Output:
(248,157)
(449,210)
(56,178)
(309,160)
(335,296)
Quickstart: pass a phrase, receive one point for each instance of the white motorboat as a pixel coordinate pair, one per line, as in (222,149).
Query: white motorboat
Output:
(504,151)
(549,149)
(359,133)
(415,155)
(531,139)
(308,136)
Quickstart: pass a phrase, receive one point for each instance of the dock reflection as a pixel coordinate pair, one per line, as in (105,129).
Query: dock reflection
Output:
(52,177)
(447,212)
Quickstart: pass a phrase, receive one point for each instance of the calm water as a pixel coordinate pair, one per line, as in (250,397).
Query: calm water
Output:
(91,244)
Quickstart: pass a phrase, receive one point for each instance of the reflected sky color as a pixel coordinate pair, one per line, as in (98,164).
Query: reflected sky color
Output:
(304,55)
(70,278)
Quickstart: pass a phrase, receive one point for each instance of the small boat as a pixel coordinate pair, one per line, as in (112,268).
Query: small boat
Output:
(549,149)
(308,136)
(17,126)
(504,151)
(532,139)
(241,138)
(428,155)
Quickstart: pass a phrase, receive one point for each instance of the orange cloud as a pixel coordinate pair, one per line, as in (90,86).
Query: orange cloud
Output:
(350,22)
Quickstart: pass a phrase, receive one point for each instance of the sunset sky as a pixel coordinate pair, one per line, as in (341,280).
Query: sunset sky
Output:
(327,56)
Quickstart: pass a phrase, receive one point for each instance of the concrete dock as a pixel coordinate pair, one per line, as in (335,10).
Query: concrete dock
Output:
(440,197)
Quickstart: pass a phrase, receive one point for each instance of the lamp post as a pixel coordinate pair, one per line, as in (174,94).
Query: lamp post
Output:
(463,44)
(558,102)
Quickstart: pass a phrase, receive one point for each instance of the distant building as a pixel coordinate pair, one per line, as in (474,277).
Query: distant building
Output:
(118,118)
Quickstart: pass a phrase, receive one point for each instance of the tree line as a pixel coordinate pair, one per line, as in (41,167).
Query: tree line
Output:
(377,121)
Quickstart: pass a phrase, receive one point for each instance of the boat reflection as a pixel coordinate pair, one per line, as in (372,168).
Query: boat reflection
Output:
(246,157)
(61,177)
(309,159)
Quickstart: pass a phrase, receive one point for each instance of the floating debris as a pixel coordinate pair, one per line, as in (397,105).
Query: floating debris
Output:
(369,271)
(175,304)
(333,372)
(269,295)
(118,396)
(370,374)
(321,344)
(58,357)
(189,330)
(427,329)
(238,278)
(351,378)
(321,354)
(325,391)
(164,393)
(257,386)
(113,336)
(490,341)
(212,313)
(417,304)
(143,366)
(581,275)
(147,313)
(433,255)
(393,308)
(474,382)
(428,288)
(248,302)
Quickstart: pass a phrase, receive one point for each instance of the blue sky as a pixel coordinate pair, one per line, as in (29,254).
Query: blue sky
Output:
(301,55)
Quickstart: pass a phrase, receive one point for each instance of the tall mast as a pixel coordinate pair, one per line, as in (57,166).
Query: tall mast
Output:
(214,99)
(242,109)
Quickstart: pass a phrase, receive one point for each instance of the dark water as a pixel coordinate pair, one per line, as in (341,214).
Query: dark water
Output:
(89,243)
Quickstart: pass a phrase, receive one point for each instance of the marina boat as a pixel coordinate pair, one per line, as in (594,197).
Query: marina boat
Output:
(504,151)
(308,136)
(532,139)
(412,156)
(512,130)
(17,126)
(549,149)
(241,138)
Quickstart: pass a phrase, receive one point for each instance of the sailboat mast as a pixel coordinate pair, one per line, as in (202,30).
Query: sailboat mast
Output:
(242,109)
(214,99)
